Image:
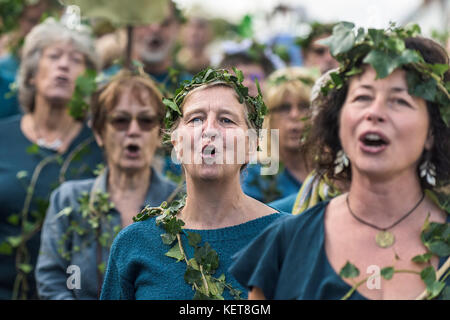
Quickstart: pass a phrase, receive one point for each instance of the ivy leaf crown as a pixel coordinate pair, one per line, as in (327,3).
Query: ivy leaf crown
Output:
(209,75)
(385,51)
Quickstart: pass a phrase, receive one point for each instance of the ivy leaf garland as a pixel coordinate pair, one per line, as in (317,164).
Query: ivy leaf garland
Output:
(385,51)
(201,268)
(210,75)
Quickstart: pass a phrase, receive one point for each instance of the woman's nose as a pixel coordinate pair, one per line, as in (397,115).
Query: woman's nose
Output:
(377,110)
(64,62)
(134,128)
(210,128)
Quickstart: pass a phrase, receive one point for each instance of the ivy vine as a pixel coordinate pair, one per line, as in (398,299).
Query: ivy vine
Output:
(436,239)
(201,268)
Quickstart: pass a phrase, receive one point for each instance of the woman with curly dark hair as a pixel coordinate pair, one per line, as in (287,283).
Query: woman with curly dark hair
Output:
(383,127)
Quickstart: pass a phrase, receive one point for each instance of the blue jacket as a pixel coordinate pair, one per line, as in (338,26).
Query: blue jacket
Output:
(71,265)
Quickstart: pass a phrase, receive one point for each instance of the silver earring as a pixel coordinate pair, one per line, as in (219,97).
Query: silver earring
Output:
(428,171)
(341,162)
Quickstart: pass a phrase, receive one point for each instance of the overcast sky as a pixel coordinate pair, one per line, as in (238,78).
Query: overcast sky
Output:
(365,13)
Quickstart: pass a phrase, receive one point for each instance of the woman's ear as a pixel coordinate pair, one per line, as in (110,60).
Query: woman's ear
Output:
(98,139)
(429,142)
(174,139)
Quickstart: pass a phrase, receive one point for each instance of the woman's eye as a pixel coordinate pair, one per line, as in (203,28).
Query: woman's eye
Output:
(226,120)
(77,60)
(120,120)
(402,102)
(53,56)
(363,98)
(196,120)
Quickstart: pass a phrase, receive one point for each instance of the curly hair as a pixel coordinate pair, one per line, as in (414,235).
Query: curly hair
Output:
(323,142)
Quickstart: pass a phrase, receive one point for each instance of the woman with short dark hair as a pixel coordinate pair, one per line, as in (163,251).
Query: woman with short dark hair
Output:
(127,115)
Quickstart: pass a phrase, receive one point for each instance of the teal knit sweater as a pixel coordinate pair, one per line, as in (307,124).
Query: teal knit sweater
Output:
(138,268)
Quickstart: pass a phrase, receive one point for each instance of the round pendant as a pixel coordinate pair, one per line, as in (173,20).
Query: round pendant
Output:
(384,239)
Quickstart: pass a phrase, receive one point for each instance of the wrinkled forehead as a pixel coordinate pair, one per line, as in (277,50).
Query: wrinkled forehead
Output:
(212,97)
(134,98)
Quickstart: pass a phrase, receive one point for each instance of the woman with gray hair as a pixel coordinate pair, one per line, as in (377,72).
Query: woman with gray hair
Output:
(41,148)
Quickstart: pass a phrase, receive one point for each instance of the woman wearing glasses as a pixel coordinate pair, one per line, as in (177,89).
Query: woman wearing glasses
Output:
(85,215)
(287,94)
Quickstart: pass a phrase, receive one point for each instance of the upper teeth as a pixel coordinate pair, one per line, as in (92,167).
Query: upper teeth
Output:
(372,136)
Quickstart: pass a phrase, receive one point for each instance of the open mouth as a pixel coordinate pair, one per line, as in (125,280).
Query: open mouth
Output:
(155,43)
(62,80)
(374,142)
(209,151)
(132,150)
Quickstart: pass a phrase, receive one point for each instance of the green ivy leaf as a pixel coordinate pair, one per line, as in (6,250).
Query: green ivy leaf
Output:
(193,276)
(173,226)
(194,239)
(426,90)
(387,272)
(168,238)
(207,257)
(440,69)
(175,253)
(445,294)
(435,289)
(33,149)
(102,267)
(6,248)
(422,258)
(21,174)
(172,105)
(200,296)
(25,267)
(385,63)
(349,271)
(14,241)
(14,219)
(436,237)
(428,275)
(342,40)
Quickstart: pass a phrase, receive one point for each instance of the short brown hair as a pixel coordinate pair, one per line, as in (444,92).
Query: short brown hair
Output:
(106,98)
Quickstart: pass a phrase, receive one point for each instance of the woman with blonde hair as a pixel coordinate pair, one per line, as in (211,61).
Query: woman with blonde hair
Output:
(287,95)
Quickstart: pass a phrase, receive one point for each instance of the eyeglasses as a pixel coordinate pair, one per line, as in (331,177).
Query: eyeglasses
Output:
(286,108)
(123,122)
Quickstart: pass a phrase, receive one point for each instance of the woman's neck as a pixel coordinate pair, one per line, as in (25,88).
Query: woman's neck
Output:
(128,191)
(158,68)
(294,161)
(51,119)
(134,183)
(385,201)
(215,204)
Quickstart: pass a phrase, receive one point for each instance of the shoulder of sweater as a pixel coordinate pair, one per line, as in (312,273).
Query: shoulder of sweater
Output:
(296,223)
(71,190)
(140,231)
(11,121)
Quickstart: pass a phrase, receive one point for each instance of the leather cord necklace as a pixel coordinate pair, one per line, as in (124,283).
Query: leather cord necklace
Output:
(384,238)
